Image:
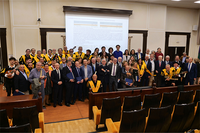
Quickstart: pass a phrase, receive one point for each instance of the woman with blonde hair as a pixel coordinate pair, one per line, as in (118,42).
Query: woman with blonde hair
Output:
(141,67)
(135,73)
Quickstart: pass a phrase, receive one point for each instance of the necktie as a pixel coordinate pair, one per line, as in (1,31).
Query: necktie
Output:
(78,71)
(139,56)
(94,67)
(58,72)
(159,63)
(189,68)
(114,70)
(70,69)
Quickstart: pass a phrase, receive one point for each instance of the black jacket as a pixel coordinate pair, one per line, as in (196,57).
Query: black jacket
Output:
(118,71)
(21,83)
(55,78)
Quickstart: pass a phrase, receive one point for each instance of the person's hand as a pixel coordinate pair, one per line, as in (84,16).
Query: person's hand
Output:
(173,84)
(156,71)
(9,74)
(138,80)
(126,83)
(17,90)
(167,79)
(118,80)
(14,70)
(82,81)
(78,82)
(102,69)
(149,76)
(60,82)
(17,72)
(71,80)
(86,79)
(194,79)
(108,71)
(42,77)
(131,84)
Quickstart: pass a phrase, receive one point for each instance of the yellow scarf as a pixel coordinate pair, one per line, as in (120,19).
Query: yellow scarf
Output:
(95,89)
(27,71)
(164,73)
(175,71)
(143,67)
(76,55)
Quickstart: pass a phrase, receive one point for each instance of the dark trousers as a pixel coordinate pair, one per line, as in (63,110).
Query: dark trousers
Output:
(104,86)
(158,80)
(77,90)
(57,94)
(191,81)
(69,86)
(9,88)
(111,81)
(85,90)
(145,81)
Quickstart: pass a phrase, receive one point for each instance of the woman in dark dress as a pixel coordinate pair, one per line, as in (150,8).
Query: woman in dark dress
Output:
(135,73)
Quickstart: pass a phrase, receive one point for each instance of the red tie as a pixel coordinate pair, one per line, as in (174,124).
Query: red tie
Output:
(160,64)
(70,69)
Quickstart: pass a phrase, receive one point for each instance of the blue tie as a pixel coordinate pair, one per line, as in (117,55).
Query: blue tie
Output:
(189,68)
(78,71)
(94,68)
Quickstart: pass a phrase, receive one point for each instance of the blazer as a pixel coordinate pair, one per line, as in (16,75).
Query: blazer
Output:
(118,71)
(65,71)
(96,68)
(76,73)
(124,75)
(170,63)
(193,71)
(21,83)
(146,74)
(126,58)
(103,76)
(159,69)
(55,78)
(141,54)
(89,72)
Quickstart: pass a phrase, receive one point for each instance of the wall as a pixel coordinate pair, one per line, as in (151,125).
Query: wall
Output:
(20,19)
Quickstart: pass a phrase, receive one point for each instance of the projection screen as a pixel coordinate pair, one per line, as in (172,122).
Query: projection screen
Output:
(96,30)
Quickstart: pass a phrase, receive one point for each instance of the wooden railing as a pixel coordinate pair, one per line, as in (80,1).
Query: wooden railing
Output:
(95,99)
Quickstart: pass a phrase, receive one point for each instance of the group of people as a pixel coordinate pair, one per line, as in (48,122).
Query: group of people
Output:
(68,74)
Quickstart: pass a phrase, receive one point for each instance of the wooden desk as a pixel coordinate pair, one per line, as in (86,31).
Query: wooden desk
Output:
(10,102)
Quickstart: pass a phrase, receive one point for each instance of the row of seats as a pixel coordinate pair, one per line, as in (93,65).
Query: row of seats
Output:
(111,107)
(26,118)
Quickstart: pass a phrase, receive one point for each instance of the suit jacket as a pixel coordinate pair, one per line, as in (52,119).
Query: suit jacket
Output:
(159,69)
(76,73)
(126,58)
(103,76)
(193,71)
(181,58)
(61,66)
(118,71)
(21,83)
(96,68)
(65,71)
(170,63)
(55,78)
(141,54)
(89,72)
(146,74)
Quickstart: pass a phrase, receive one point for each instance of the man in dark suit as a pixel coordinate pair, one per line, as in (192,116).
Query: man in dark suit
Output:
(159,66)
(167,61)
(139,54)
(192,72)
(146,74)
(114,74)
(21,82)
(94,66)
(127,75)
(177,59)
(78,74)
(57,85)
(69,82)
(104,72)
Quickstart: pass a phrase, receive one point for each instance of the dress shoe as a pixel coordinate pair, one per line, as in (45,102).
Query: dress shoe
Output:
(67,104)
(43,107)
(60,104)
(54,105)
(72,103)
(48,104)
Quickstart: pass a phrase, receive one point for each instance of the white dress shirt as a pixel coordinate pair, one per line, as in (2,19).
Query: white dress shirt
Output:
(114,65)
(152,65)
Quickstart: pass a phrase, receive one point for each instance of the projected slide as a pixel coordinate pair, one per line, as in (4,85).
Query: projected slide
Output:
(91,31)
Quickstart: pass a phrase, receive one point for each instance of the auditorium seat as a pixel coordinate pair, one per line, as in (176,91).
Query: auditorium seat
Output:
(181,117)
(25,128)
(132,103)
(169,98)
(151,100)
(4,118)
(197,97)
(196,121)
(111,108)
(132,121)
(159,119)
(28,115)
(185,97)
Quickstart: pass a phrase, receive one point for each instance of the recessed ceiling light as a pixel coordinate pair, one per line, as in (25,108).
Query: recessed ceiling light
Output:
(176,0)
(198,2)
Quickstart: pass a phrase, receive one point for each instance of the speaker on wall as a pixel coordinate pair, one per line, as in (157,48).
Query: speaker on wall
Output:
(195,27)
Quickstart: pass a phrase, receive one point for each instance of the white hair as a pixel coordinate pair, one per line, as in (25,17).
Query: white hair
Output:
(167,56)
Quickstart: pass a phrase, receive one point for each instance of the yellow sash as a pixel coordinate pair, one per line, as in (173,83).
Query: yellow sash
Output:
(95,89)
(143,67)
(164,73)
(174,71)
(76,55)
(24,58)
(60,60)
(26,71)
(65,53)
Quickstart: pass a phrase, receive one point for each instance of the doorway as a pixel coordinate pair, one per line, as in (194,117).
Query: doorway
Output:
(173,51)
